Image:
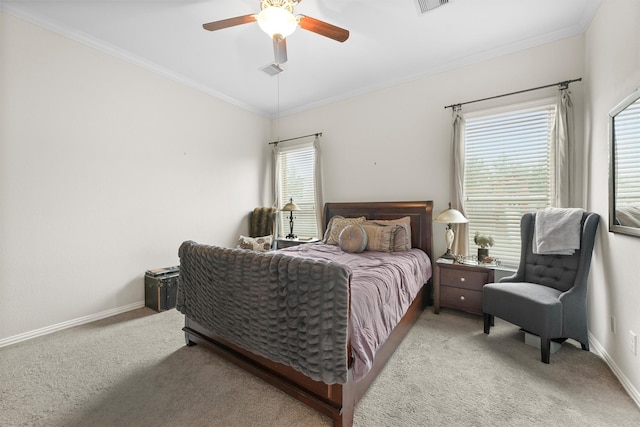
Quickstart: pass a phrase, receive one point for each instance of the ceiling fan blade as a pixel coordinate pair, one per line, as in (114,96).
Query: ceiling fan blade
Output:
(323,28)
(231,22)
(280,49)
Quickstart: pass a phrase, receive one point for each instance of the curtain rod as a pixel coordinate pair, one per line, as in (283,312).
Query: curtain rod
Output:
(563,85)
(298,137)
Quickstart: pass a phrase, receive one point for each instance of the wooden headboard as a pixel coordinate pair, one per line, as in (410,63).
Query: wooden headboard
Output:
(419,212)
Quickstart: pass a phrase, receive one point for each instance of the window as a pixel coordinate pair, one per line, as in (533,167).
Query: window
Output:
(297,181)
(627,156)
(508,172)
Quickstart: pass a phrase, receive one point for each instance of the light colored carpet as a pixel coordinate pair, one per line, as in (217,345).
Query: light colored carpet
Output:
(134,370)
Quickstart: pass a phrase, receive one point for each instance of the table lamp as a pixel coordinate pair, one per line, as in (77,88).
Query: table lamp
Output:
(450,216)
(290,207)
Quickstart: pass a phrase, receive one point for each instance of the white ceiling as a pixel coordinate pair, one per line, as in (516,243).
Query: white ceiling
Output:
(390,42)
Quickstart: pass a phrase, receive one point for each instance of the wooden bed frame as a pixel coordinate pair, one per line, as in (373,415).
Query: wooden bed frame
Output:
(337,400)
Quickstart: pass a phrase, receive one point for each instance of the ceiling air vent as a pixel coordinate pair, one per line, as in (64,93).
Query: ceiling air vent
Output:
(425,6)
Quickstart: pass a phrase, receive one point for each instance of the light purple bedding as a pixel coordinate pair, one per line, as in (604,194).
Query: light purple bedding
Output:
(383,286)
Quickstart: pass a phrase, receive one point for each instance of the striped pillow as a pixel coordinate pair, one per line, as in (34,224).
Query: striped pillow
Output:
(380,237)
(402,240)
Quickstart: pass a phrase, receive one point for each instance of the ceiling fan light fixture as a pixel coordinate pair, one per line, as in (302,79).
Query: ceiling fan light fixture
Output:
(277,20)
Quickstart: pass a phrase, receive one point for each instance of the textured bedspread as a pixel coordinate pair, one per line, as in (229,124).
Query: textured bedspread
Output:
(291,310)
(383,285)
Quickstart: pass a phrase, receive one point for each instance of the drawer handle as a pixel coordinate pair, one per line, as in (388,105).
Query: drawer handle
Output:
(461,297)
(462,279)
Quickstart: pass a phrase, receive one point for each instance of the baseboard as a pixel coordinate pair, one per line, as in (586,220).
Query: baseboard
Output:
(626,384)
(69,323)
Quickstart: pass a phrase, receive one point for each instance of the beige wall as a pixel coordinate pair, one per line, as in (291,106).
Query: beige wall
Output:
(612,73)
(105,168)
(394,144)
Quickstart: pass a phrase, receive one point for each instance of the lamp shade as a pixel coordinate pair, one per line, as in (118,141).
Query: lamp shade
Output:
(291,206)
(451,216)
(277,20)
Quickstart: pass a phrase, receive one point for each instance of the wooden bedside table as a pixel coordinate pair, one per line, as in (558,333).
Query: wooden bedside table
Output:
(287,243)
(459,286)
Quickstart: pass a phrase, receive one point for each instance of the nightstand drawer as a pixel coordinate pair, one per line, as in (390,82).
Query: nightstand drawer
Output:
(461,299)
(467,279)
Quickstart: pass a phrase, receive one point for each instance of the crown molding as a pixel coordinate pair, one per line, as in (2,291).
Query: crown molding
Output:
(87,40)
(509,48)
(468,60)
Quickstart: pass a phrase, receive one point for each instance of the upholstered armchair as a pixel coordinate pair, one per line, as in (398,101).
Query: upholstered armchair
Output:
(547,296)
(261,230)
(261,222)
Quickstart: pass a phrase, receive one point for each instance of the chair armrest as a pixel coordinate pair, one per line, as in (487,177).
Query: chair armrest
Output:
(515,277)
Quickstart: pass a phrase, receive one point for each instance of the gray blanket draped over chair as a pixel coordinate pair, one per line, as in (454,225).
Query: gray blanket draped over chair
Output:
(296,314)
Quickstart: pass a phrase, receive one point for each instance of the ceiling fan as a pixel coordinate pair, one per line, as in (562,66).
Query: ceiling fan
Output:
(277,20)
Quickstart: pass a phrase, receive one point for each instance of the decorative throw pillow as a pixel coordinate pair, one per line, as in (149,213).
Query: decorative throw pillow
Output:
(401,238)
(402,241)
(353,238)
(380,237)
(260,244)
(335,226)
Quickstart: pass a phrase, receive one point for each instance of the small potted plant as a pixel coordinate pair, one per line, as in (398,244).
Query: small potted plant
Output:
(483,241)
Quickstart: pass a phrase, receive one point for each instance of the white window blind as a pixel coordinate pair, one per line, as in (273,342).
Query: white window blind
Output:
(297,182)
(627,157)
(508,172)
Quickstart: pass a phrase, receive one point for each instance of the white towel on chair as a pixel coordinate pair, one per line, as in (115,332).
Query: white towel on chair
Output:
(557,231)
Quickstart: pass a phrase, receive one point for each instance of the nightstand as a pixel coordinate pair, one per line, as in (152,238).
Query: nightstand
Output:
(287,243)
(459,286)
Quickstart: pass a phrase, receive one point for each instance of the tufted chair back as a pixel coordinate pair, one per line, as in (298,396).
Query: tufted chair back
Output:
(556,271)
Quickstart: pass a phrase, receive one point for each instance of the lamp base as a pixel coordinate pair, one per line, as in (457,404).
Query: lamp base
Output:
(291,235)
(448,255)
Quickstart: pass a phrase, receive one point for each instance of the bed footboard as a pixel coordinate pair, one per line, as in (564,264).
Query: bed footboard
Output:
(336,401)
(291,310)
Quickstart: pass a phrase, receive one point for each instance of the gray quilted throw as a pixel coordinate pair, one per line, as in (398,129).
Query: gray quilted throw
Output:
(288,309)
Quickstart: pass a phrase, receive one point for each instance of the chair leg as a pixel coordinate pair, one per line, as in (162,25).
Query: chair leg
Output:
(488,322)
(585,347)
(545,349)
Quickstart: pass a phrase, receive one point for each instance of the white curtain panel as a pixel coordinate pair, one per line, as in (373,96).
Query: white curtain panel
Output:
(318,185)
(564,193)
(275,152)
(461,242)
